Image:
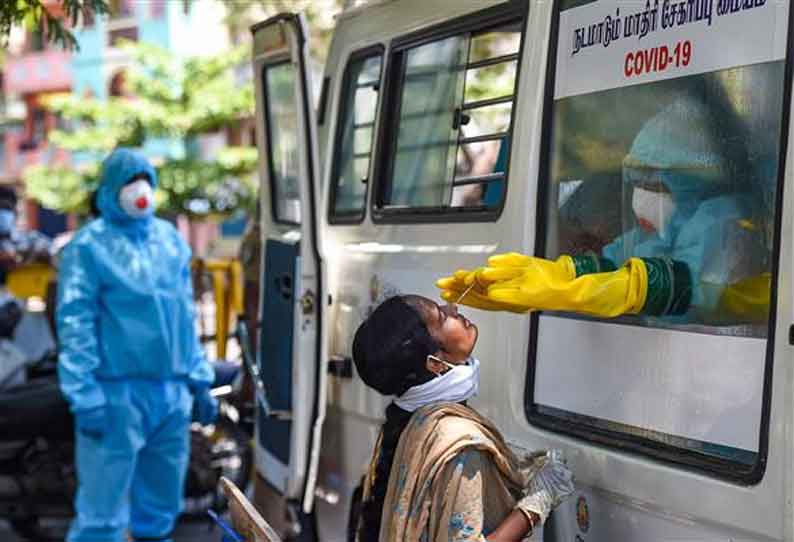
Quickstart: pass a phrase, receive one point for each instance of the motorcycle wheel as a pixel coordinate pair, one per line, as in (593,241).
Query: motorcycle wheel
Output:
(222,449)
(30,528)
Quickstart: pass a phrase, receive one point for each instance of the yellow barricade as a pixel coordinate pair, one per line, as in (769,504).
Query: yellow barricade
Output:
(30,280)
(227,287)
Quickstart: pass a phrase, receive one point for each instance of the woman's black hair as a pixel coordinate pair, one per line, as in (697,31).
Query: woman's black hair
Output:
(372,509)
(390,351)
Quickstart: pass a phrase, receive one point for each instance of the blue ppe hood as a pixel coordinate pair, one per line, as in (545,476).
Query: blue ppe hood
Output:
(117,170)
(678,148)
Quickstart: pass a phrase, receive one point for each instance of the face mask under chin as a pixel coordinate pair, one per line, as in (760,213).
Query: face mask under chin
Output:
(449,366)
(456,385)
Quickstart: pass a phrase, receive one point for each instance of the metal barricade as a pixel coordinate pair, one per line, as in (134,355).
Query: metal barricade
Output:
(223,278)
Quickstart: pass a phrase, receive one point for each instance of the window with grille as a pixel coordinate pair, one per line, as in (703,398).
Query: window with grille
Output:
(447,139)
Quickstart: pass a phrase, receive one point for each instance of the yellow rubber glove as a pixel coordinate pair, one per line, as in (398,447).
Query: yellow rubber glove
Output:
(534,283)
(748,299)
(512,265)
(454,286)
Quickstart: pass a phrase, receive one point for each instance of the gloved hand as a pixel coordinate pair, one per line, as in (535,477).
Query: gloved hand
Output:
(748,299)
(536,283)
(503,268)
(550,484)
(92,422)
(581,284)
(205,406)
(511,282)
(454,286)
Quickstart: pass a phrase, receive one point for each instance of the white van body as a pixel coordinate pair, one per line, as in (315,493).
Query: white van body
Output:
(730,389)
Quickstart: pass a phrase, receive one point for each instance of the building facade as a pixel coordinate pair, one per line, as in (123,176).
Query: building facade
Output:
(35,70)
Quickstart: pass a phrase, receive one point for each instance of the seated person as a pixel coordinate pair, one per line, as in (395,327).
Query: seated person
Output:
(18,247)
(28,331)
(440,471)
(690,238)
(491,159)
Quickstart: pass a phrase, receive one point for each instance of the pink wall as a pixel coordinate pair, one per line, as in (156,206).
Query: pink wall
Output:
(38,72)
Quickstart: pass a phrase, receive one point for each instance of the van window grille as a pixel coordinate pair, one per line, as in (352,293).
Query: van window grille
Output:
(447,141)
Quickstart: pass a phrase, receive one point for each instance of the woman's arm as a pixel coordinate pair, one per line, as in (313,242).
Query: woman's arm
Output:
(517,526)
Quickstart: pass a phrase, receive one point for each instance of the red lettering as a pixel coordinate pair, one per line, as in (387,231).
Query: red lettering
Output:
(687,53)
(647,57)
(664,58)
(656,59)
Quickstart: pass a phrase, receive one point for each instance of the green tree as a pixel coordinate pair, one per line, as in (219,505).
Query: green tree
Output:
(53,17)
(174,100)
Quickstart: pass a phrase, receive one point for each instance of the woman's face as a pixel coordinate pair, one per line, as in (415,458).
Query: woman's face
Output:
(454,333)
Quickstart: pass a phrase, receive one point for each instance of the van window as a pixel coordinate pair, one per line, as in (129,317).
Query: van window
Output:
(666,147)
(355,134)
(449,139)
(281,110)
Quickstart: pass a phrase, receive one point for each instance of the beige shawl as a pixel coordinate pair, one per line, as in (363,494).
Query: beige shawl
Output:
(426,492)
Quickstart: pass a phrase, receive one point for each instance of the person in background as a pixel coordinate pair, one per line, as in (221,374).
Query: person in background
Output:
(26,335)
(130,365)
(18,247)
(440,471)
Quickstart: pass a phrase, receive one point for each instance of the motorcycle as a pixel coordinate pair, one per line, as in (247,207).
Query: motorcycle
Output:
(37,473)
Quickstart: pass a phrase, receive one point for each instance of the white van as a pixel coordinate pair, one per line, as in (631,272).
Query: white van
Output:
(448,131)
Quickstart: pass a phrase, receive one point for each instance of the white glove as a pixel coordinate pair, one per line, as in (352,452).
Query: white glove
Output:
(551,484)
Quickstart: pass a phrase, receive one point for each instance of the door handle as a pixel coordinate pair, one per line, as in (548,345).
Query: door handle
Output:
(256,376)
(341,366)
(284,286)
(307,302)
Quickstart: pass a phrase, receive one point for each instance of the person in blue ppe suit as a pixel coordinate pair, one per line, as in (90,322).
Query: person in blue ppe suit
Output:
(692,248)
(130,364)
(689,201)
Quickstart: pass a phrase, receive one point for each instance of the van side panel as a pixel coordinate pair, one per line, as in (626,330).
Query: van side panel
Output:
(622,496)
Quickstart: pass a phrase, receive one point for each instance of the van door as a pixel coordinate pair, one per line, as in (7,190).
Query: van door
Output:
(290,369)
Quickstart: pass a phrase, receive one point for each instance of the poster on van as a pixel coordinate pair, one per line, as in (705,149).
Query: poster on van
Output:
(610,44)
(665,142)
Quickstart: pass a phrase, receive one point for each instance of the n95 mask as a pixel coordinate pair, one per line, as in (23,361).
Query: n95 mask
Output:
(137,199)
(652,209)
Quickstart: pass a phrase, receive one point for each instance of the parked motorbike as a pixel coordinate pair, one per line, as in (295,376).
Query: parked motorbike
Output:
(221,449)
(37,473)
